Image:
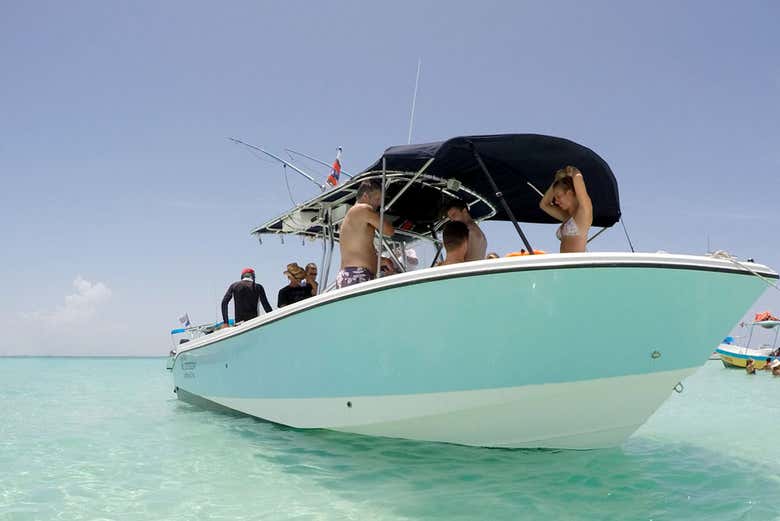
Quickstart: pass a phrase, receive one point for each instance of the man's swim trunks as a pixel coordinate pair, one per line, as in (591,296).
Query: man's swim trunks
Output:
(352,275)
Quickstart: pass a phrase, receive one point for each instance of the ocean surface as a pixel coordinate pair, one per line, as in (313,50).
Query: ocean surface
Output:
(101,438)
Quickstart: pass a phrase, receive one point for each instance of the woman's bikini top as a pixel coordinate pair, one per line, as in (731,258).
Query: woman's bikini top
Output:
(567,229)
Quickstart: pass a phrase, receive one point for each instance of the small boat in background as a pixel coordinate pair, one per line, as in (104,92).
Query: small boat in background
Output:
(733,355)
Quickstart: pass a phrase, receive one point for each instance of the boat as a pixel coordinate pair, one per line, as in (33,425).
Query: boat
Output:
(571,351)
(733,355)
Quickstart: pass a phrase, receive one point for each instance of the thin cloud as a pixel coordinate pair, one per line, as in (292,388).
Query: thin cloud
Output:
(79,307)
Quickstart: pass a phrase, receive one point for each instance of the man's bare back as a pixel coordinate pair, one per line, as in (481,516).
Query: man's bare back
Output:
(358,256)
(357,238)
(477,242)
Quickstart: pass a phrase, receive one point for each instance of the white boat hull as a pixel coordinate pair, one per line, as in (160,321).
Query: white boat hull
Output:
(576,415)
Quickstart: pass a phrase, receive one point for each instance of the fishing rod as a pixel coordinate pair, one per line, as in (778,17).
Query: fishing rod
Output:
(320,161)
(282,161)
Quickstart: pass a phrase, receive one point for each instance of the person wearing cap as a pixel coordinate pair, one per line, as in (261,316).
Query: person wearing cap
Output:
(246,295)
(457,211)
(294,291)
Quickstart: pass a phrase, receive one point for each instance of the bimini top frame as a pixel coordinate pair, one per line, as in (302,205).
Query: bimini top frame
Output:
(500,177)
(497,176)
(415,201)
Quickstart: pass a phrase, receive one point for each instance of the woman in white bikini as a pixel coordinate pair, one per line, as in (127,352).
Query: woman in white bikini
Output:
(567,200)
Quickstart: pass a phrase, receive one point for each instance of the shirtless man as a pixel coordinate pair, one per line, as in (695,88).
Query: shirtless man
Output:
(358,257)
(456,242)
(458,211)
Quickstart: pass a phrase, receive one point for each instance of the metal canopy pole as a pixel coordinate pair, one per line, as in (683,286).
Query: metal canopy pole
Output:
(439,245)
(750,337)
(328,242)
(597,234)
(408,184)
(331,244)
(500,197)
(322,262)
(393,256)
(436,255)
(381,219)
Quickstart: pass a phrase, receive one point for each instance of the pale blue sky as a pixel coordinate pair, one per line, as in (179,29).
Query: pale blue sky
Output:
(116,168)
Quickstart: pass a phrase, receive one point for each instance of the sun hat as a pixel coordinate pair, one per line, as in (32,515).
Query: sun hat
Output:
(295,270)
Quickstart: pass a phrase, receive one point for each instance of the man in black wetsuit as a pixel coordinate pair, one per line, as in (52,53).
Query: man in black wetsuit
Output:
(245,294)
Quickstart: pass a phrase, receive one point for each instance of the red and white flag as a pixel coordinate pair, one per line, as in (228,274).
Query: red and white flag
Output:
(335,170)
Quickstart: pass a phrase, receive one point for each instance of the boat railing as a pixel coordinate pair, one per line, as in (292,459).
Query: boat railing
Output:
(183,335)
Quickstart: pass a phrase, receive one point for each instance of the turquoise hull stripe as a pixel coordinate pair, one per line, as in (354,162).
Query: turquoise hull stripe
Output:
(479,332)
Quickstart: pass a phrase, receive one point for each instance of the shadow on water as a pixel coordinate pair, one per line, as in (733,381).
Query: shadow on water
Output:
(644,479)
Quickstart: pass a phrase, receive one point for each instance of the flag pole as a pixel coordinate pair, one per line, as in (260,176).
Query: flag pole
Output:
(319,161)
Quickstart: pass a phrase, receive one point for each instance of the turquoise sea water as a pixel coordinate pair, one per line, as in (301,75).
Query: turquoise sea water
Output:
(98,439)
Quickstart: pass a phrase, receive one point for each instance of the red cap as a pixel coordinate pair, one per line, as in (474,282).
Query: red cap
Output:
(247,270)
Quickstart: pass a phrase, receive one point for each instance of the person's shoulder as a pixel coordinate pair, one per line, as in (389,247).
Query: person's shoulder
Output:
(362,208)
(355,212)
(361,213)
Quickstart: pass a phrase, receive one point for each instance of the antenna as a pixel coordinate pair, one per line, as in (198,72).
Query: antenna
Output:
(414,101)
